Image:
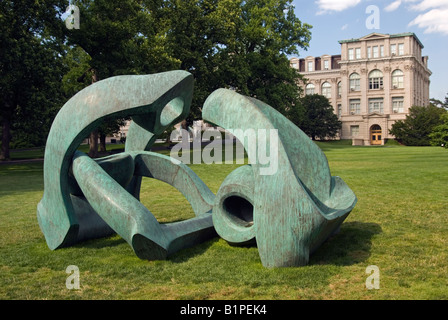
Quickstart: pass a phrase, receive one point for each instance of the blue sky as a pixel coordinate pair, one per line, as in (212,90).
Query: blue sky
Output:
(335,20)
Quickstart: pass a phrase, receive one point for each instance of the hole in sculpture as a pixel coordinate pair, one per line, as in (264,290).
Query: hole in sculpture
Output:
(167,204)
(239,210)
(171,111)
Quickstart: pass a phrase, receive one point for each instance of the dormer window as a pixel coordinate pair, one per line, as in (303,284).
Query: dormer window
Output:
(351,55)
(310,66)
(393,49)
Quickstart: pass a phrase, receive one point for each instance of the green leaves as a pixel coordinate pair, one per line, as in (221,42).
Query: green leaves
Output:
(235,44)
(240,45)
(415,129)
(439,134)
(30,63)
(315,116)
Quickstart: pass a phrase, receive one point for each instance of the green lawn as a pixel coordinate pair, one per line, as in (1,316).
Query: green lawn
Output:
(399,224)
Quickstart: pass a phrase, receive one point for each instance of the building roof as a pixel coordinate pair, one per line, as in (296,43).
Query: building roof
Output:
(397,35)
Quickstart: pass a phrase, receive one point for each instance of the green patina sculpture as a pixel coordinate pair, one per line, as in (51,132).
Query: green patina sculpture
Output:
(85,198)
(288,213)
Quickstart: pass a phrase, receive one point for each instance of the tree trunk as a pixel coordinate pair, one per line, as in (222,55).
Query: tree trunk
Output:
(6,139)
(93,146)
(102,142)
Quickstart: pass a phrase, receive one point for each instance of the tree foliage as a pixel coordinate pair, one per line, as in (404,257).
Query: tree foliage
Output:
(31,70)
(419,123)
(439,134)
(115,37)
(315,116)
(440,103)
(242,45)
(237,44)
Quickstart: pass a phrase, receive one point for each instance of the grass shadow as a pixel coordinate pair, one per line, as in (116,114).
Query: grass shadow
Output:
(189,253)
(101,242)
(351,245)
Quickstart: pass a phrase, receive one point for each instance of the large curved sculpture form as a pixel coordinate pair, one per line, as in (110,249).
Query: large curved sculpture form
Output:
(85,198)
(288,213)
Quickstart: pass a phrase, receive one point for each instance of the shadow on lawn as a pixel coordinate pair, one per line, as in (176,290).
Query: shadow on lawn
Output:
(350,246)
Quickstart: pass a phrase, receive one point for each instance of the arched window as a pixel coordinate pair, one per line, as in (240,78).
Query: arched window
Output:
(309,89)
(339,89)
(397,79)
(375,80)
(326,90)
(355,82)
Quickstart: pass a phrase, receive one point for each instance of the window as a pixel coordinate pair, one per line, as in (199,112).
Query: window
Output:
(358,53)
(376,105)
(355,106)
(355,81)
(309,89)
(397,104)
(393,49)
(375,80)
(397,79)
(375,51)
(350,54)
(326,65)
(369,52)
(339,89)
(310,66)
(339,111)
(401,49)
(326,90)
(382,51)
(354,131)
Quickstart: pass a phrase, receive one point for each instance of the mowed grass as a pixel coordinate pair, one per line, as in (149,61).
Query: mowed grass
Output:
(400,225)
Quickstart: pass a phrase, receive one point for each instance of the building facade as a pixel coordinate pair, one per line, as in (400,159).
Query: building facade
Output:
(371,84)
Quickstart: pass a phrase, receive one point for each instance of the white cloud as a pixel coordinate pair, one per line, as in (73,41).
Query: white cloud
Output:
(433,21)
(344,27)
(393,6)
(326,6)
(429,4)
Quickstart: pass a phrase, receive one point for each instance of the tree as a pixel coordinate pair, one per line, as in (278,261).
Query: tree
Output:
(241,45)
(119,37)
(267,32)
(419,123)
(439,103)
(439,134)
(31,68)
(315,116)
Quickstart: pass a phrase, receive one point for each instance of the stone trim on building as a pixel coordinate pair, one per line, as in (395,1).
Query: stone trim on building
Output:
(390,76)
